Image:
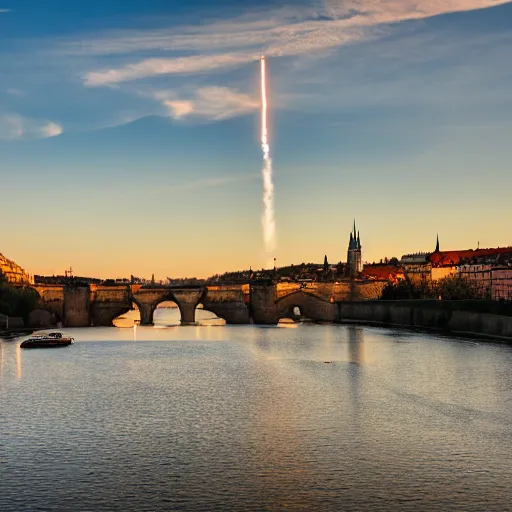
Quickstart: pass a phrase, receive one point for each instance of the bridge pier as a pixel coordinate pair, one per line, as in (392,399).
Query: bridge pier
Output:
(229,305)
(187,301)
(263,304)
(146,314)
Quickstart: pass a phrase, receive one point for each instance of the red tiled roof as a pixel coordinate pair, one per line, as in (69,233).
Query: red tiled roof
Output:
(381,271)
(450,258)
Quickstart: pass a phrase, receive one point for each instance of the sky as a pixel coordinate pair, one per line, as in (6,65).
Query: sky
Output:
(129,136)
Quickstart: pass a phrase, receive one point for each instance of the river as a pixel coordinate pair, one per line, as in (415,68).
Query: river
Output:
(296,417)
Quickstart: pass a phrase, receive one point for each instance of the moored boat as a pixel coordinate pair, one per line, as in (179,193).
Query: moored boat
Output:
(51,340)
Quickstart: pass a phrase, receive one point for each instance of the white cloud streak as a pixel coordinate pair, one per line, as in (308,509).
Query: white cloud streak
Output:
(333,24)
(154,67)
(213,103)
(5,11)
(16,127)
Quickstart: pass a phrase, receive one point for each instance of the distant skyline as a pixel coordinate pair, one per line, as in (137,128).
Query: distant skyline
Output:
(129,139)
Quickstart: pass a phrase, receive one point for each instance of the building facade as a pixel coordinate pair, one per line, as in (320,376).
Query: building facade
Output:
(13,272)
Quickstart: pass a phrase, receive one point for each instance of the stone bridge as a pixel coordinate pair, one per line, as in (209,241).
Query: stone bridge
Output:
(259,303)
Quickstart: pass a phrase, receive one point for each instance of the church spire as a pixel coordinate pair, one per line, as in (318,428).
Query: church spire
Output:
(354,258)
(437,244)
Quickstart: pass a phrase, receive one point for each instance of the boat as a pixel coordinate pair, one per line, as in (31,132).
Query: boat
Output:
(51,340)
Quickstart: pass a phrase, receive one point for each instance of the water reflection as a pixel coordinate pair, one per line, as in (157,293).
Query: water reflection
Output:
(18,361)
(246,418)
(356,347)
(167,314)
(10,358)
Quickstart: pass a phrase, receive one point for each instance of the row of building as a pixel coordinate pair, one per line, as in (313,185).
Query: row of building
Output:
(489,269)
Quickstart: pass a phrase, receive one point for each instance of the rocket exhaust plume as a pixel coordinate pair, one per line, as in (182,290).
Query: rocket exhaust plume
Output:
(268,216)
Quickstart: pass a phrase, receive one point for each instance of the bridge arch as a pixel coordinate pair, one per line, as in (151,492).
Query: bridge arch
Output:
(166,313)
(227,304)
(186,300)
(167,297)
(121,320)
(310,306)
(293,314)
(202,312)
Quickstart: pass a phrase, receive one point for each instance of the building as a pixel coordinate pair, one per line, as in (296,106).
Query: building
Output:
(489,269)
(354,254)
(419,258)
(383,272)
(13,272)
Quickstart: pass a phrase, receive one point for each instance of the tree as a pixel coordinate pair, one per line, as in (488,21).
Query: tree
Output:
(454,287)
(405,289)
(458,287)
(16,300)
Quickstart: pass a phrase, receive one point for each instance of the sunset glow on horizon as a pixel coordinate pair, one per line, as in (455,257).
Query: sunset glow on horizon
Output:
(131,143)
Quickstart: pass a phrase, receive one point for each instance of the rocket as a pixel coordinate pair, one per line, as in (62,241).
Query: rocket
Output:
(262,57)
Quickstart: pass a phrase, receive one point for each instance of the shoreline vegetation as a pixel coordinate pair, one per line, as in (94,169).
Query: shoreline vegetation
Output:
(16,302)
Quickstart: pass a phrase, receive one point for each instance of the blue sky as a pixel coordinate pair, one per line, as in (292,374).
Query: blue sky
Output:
(129,138)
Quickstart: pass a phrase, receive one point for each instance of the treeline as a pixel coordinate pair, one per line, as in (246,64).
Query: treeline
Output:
(16,301)
(454,287)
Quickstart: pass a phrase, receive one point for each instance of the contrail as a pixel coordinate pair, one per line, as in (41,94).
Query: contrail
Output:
(268,218)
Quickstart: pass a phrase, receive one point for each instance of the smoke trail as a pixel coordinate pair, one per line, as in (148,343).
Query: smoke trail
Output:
(268,216)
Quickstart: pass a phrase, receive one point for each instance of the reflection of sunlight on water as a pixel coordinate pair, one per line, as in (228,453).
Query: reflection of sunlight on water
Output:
(164,317)
(18,361)
(288,325)
(10,359)
(128,319)
(256,421)
(356,345)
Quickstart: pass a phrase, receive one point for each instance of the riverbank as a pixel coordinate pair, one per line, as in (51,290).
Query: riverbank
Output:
(15,332)
(449,317)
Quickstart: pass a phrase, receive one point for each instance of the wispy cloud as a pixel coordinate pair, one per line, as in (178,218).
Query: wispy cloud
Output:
(218,45)
(15,92)
(4,11)
(14,126)
(209,102)
(154,67)
(50,130)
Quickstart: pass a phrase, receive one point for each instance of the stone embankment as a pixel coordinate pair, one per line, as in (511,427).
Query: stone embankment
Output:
(456,317)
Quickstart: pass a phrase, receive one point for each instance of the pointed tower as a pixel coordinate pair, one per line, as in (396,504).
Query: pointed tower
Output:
(354,258)
(437,244)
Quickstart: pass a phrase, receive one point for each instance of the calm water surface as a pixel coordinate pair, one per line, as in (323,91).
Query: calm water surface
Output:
(304,417)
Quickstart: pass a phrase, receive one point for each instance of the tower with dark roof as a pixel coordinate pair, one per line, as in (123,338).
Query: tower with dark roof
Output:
(437,244)
(354,254)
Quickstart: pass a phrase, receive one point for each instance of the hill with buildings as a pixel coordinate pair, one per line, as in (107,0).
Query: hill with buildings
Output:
(13,272)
